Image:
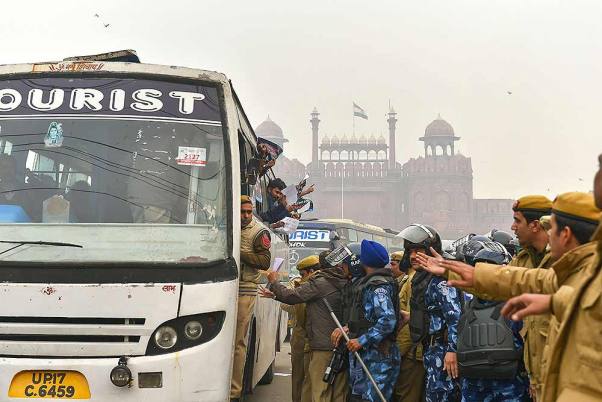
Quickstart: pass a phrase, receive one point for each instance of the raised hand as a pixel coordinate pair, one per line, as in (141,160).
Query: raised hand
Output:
(431,264)
(527,304)
(465,271)
(268,294)
(273,276)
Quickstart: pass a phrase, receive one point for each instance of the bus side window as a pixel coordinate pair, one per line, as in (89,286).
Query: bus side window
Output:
(363,236)
(262,195)
(352,235)
(379,239)
(245,151)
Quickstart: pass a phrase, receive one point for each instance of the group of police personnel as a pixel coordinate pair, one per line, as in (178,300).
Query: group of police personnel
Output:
(481,322)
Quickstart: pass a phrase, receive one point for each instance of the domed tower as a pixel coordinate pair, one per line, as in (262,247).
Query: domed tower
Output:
(439,138)
(271,132)
(438,188)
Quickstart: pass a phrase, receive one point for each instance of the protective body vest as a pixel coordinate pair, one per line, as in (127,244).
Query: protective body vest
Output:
(486,347)
(358,323)
(419,317)
(248,236)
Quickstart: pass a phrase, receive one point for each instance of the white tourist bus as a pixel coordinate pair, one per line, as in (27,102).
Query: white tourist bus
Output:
(120,231)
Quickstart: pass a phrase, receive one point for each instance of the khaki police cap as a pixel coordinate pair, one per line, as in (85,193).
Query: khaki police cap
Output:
(533,203)
(311,262)
(397,255)
(578,206)
(545,222)
(245,199)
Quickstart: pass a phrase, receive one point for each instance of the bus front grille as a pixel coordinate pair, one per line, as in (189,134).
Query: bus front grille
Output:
(65,333)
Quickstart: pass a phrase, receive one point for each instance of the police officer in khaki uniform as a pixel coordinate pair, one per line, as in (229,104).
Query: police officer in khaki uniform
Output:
(574,370)
(533,239)
(395,263)
(410,383)
(254,256)
(301,386)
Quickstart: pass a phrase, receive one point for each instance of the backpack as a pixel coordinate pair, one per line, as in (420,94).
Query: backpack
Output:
(358,323)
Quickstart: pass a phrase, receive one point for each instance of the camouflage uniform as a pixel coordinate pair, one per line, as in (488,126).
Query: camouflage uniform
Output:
(379,353)
(489,390)
(444,308)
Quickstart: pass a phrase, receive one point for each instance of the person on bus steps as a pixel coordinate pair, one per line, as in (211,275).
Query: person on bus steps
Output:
(372,325)
(328,283)
(255,255)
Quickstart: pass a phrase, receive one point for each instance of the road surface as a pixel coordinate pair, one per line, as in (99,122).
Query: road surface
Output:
(280,389)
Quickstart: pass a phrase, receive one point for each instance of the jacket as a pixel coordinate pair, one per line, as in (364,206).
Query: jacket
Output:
(575,359)
(328,284)
(254,256)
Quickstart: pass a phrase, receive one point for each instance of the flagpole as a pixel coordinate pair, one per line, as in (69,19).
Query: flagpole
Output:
(342,193)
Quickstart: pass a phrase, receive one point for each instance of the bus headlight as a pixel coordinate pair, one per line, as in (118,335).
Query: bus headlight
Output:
(166,337)
(193,330)
(185,332)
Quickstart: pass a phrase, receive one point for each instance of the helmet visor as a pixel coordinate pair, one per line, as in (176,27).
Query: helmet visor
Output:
(416,234)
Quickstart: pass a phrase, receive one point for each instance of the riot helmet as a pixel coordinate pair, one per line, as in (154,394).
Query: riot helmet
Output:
(498,256)
(481,238)
(418,236)
(505,239)
(492,250)
(353,262)
(421,236)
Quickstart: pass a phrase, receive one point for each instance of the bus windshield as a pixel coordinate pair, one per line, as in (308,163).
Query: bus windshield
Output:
(133,170)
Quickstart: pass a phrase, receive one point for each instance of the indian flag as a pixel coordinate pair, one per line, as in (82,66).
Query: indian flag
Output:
(359,112)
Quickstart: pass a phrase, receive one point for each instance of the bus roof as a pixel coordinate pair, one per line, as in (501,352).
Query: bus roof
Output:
(120,62)
(333,223)
(353,223)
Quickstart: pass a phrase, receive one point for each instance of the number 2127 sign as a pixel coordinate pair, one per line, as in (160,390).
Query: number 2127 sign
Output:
(192,156)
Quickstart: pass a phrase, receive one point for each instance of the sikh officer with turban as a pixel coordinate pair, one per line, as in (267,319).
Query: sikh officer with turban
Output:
(373,326)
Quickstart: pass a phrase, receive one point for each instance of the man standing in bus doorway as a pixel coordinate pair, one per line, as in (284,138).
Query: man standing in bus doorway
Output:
(254,255)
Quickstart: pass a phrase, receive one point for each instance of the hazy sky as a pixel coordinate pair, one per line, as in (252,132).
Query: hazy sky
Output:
(454,57)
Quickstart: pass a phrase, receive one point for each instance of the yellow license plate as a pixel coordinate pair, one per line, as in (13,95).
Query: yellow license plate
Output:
(49,384)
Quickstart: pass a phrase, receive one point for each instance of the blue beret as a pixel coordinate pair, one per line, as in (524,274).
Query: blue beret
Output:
(374,255)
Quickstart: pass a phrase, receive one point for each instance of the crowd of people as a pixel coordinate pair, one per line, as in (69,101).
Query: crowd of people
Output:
(487,320)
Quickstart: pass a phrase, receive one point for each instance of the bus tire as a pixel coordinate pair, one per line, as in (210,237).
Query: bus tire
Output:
(268,377)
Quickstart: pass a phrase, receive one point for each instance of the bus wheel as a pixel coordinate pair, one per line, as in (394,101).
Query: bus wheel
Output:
(268,377)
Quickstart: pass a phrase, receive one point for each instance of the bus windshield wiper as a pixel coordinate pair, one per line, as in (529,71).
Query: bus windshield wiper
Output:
(37,243)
